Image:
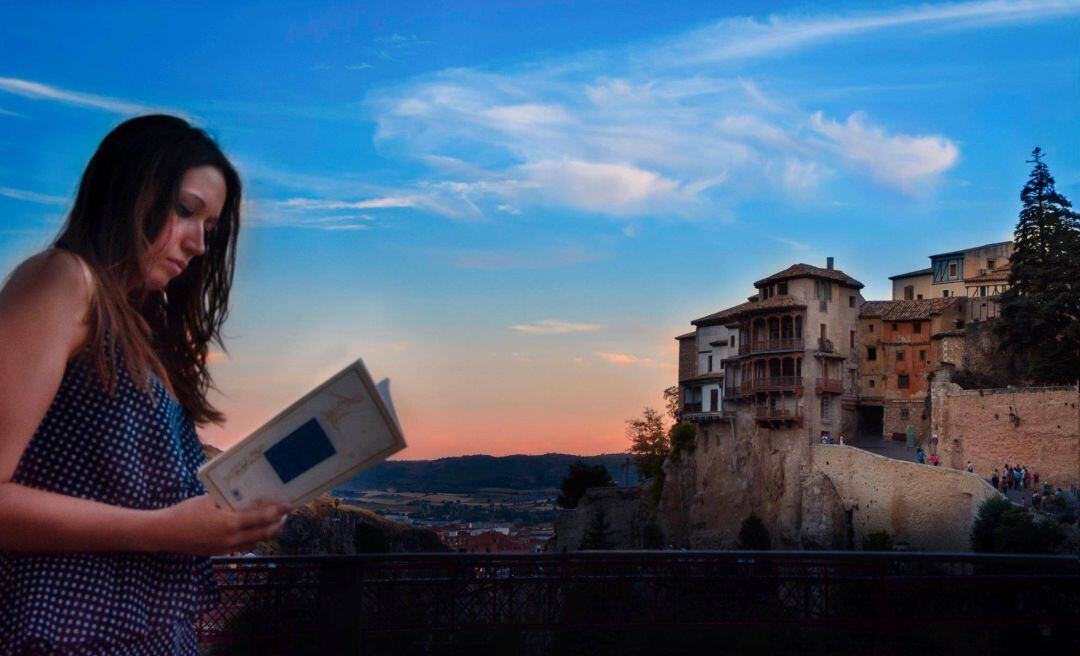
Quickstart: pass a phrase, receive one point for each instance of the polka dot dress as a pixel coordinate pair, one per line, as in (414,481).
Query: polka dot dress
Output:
(126,450)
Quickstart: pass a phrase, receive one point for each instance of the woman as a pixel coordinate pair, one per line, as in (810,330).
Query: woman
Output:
(106,531)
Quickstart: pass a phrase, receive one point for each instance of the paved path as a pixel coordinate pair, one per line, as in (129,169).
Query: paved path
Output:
(882,447)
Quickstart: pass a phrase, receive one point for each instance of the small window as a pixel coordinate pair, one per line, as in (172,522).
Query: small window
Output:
(944,293)
(903,381)
(826,407)
(919,296)
(851,337)
(904,413)
(731,341)
(922,355)
(982,290)
(869,327)
(990,265)
(824,334)
(916,327)
(952,270)
(851,301)
(872,383)
(959,324)
(871,353)
(895,327)
(909,292)
(781,288)
(710,363)
(899,356)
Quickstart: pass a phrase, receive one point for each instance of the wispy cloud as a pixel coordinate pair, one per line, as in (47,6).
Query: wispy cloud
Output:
(7,112)
(32,197)
(555,327)
(39,91)
(540,259)
(624,359)
(665,127)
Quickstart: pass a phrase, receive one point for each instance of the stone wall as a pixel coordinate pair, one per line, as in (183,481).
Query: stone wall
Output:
(1036,427)
(624,513)
(894,421)
(928,508)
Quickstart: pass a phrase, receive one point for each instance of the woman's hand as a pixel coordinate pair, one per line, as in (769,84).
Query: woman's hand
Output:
(198,527)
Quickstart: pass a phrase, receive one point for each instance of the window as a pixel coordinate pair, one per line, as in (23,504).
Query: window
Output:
(826,408)
(895,327)
(710,363)
(982,290)
(919,297)
(824,334)
(851,301)
(869,327)
(909,292)
(959,324)
(731,341)
(916,327)
(871,353)
(899,356)
(944,293)
(904,413)
(781,288)
(922,355)
(990,265)
(851,342)
(952,270)
(823,290)
(872,383)
(903,381)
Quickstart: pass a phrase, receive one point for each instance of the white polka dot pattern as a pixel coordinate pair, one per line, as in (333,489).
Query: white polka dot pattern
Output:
(126,450)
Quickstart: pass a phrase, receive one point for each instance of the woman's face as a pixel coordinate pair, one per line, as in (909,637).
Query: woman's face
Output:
(183,237)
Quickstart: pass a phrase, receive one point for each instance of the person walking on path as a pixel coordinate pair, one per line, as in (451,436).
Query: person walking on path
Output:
(994,480)
(105,530)
(970,468)
(1035,477)
(920,456)
(1027,479)
(1018,477)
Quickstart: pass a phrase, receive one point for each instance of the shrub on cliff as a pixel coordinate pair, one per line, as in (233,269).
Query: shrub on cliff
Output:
(682,438)
(1002,527)
(753,535)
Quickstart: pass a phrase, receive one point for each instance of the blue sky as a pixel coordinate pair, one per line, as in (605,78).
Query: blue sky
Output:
(511,208)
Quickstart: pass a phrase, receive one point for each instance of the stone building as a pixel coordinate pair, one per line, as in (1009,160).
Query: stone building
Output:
(951,274)
(902,343)
(785,360)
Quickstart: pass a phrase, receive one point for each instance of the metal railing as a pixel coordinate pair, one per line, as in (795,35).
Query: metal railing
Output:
(545,603)
(708,415)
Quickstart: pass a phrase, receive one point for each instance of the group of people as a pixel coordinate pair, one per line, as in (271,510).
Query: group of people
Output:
(1015,478)
(920,457)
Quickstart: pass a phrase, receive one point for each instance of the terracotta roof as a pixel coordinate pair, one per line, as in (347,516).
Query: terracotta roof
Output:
(912,274)
(912,310)
(973,248)
(774,303)
(811,271)
(692,333)
(998,274)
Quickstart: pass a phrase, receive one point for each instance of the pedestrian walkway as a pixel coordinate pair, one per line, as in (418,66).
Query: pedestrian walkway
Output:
(882,447)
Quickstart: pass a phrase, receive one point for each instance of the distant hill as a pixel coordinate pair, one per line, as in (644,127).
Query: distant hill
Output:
(466,474)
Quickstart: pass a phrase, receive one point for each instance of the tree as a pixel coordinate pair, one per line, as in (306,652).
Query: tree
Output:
(1040,310)
(596,533)
(671,403)
(648,442)
(1001,527)
(581,477)
(753,534)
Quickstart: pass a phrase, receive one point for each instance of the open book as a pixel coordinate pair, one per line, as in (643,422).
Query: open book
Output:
(342,427)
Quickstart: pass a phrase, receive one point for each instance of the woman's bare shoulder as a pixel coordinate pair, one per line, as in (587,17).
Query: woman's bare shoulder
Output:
(54,285)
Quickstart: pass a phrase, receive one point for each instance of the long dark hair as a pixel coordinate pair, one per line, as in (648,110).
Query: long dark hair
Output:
(123,203)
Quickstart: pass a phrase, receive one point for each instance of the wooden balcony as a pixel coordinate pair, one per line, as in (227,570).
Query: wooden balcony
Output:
(829,386)
(772,345)
(768,415)
(773,384)
(707,416)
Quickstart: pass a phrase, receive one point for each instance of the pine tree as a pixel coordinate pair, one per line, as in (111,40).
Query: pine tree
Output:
(596,533)
(1040,311)
(648,442)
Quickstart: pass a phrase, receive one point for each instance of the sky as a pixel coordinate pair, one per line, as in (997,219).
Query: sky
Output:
(511,209)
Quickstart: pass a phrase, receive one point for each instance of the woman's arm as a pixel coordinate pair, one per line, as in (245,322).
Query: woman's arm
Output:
(43,310)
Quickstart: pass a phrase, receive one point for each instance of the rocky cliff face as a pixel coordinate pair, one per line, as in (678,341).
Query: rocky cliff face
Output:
(736,471)
(619,513)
